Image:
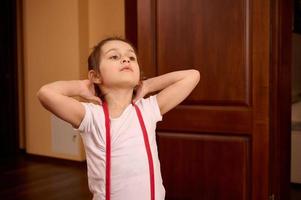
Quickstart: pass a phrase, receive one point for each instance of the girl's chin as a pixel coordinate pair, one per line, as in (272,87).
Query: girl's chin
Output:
(126,85)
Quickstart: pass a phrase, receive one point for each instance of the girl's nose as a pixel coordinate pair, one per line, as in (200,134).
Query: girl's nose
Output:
(125,60)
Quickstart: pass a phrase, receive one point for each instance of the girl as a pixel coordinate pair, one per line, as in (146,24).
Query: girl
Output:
(117,124)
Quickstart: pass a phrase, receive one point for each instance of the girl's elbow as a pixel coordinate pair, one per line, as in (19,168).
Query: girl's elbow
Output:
(196,74)
(42,93)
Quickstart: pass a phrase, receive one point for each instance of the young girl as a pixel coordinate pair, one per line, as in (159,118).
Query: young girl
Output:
(117,124)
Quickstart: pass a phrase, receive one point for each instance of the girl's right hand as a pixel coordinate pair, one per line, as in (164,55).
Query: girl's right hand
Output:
(88,91)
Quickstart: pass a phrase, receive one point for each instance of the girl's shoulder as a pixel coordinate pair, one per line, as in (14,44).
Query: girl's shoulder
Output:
(150,107)
(92,108)
(93,114)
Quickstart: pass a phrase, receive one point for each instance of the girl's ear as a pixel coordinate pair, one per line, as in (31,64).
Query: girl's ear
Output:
(94,76)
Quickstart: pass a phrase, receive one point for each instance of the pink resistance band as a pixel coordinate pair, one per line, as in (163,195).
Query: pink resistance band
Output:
(108,152)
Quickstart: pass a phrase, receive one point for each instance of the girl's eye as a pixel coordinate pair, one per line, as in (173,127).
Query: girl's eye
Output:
(132,58)
(114,57)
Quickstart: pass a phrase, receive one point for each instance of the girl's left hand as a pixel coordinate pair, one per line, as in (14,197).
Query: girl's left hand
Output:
(141,91)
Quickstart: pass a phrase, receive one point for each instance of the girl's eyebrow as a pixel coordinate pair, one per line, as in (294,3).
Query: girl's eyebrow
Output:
(114,49)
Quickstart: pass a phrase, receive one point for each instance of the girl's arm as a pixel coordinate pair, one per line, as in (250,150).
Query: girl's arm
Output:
(57,98)
(174,87)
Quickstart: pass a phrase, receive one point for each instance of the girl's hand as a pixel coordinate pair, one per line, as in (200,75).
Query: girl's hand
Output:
(88,91)
(141,90)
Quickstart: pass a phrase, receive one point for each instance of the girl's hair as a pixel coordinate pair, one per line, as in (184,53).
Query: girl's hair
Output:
(94,58)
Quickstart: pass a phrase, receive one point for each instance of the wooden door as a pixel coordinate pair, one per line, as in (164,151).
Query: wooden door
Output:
(8,80)
(216,144)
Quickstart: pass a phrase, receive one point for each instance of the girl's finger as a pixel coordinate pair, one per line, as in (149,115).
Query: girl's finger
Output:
(96,99)
(99,100)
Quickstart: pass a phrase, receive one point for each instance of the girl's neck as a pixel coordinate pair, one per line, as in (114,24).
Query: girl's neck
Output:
(118,100)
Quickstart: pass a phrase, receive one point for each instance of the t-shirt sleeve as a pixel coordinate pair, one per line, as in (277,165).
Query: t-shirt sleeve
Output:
(151,106)
(87,121)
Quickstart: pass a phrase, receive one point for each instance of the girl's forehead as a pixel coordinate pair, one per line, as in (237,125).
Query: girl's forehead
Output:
(117,45)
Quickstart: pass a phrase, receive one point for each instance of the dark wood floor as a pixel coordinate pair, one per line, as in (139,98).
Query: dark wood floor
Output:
(29,177)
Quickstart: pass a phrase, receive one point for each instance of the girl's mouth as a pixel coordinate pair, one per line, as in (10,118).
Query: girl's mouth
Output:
(126,68)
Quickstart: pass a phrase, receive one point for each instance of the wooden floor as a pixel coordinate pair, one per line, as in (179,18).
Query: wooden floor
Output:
(28,177)
(31,177)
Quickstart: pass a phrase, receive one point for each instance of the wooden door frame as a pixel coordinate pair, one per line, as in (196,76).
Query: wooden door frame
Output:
(9,80)
(130,11)
(280,101)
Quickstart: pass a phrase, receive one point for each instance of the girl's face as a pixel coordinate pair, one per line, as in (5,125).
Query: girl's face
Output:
(119,67)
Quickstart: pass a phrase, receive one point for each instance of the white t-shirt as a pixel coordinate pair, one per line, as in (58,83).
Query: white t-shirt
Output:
(129,163)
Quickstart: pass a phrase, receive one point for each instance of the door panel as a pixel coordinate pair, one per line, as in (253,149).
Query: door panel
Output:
(215,144)
(219,119)
(211,35)
(221,163)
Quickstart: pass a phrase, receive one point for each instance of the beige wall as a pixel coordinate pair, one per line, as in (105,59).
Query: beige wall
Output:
(57,37)
(106,18)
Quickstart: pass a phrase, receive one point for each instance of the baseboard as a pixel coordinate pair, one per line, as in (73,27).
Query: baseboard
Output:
(47,159)
(296,185)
